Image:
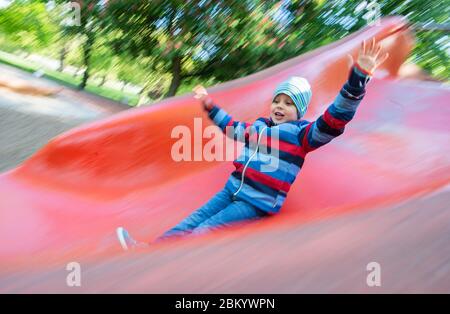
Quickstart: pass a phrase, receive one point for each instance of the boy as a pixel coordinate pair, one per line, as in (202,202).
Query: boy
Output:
(254,191)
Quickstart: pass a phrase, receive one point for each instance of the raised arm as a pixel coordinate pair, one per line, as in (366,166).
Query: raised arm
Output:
(234,129)
(332,123)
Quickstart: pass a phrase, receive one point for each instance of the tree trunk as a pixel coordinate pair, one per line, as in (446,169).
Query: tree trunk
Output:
(62,57)
(87,48)
(176,76)
(102,82)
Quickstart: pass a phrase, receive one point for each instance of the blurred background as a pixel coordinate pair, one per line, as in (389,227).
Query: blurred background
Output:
(138,52)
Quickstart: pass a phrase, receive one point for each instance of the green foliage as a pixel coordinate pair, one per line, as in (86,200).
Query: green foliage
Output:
(165,47)
(28,25)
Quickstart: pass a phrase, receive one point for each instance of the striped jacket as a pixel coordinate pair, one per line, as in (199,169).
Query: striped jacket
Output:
(273,155)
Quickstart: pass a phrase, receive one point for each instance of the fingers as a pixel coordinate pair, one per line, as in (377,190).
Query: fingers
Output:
(382,59)
(372,49)
(198,88)
(199,91)
(377,50)
(350,60)
(362,49)
(372,46)
(370,55)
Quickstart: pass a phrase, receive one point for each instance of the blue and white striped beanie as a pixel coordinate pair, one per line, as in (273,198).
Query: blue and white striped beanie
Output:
(299,90)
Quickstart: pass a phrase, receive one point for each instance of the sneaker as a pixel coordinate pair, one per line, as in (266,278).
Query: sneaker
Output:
(126,241)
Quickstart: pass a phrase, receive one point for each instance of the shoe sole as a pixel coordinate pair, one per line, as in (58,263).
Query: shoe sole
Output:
(119,232)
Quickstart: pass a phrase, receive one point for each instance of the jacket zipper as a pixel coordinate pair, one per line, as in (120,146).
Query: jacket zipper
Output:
(250,159)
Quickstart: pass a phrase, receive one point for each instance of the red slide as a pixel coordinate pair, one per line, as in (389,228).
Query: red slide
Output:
(63,204)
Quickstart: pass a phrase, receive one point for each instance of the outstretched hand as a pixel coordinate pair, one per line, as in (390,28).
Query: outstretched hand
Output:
(201,93)
(370,56)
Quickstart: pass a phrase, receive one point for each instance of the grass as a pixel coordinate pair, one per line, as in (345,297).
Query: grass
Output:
(68,80)
(113,94)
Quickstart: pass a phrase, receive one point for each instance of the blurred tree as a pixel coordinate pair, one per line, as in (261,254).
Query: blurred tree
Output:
(27,23)
(432,50)
(163,45)
(196,38)
(64,35)
(332,20)
(102,60)
(87,25)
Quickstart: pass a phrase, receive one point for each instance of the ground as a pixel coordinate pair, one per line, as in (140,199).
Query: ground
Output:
(28,122)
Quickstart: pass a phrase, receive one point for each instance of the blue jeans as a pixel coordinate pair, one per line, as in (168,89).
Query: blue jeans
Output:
(220,211)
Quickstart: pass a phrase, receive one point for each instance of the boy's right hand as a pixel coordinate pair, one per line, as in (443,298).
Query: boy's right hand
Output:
(201,93)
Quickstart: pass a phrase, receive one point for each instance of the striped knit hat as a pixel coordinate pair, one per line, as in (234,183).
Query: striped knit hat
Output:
(299,90)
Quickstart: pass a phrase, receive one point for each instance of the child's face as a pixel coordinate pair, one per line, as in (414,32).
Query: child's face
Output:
(283,109)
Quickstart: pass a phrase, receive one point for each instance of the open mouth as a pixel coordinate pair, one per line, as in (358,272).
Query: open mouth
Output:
(278,114)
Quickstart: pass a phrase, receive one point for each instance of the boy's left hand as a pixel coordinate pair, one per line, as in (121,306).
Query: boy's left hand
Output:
(201,94)
(369,57)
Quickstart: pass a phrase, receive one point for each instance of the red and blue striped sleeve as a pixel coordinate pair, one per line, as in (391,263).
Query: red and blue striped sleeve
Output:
(332,122)
(234,129)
